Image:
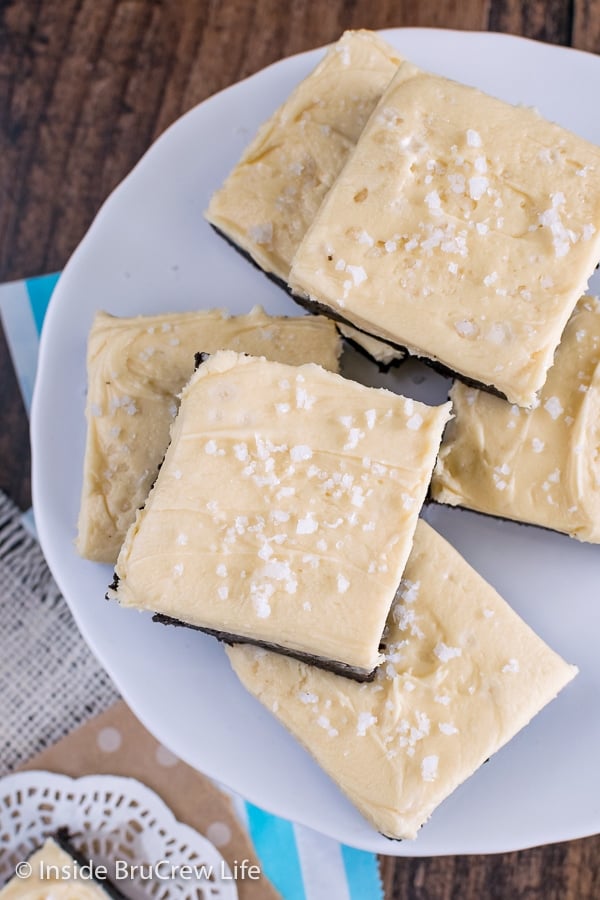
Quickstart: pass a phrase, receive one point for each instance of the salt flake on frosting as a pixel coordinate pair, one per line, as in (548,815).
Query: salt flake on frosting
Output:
(415,422)
(300,452)
(365,720)
(478,185)
(554,407)
(429,768)
(306,525)
(511,666)
(445,653)
(448,728)
(342,584)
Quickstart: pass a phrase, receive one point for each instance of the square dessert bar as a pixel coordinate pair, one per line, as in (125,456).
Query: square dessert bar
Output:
(54,875)
(136,368)
(463,674)
(539,466)
(461,228)
(272,195)
(284,511)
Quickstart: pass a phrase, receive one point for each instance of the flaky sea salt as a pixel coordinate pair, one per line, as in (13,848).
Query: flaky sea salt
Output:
(306,525)
(365,720)
(445,653)
(554,407)
(429,768)
(342,584)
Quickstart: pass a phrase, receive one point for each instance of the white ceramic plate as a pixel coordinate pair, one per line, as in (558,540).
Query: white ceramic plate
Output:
(149,250)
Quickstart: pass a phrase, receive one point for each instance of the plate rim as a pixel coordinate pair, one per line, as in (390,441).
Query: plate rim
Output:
(54,309)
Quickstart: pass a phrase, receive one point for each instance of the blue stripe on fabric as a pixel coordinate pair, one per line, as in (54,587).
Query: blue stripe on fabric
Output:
(275,845)
(362,872)
(39,291)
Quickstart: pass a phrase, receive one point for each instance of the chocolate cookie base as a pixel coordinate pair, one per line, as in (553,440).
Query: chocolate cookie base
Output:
(338,668)
(478,512)
(383,367)
(322,309)
(63,838)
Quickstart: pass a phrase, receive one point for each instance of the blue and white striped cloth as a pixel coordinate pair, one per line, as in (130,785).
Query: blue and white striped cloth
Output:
(302,864)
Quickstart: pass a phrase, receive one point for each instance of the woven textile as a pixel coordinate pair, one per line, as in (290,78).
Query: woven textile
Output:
(49,681)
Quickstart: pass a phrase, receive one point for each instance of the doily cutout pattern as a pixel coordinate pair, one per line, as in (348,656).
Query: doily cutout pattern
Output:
(111,818)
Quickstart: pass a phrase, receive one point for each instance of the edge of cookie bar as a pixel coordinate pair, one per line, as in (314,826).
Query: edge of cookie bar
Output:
(318,308)
(226,637)
(63,838)
(383,367)
(336,667)
(429,500)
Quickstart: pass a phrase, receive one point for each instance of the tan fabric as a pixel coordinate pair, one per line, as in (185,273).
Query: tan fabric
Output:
(190,796)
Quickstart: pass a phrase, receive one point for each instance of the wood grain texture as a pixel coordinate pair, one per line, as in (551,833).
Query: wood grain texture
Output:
(569,871)
(543,20)
(85,87)
(586,25)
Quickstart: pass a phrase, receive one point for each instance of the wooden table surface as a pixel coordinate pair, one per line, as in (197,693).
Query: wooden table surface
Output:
(85,87)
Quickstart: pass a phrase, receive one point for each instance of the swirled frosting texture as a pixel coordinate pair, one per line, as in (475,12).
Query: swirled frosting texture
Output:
(463,673)
(462,228)
(540,466)
(285,508)
(136,368)
(272,196)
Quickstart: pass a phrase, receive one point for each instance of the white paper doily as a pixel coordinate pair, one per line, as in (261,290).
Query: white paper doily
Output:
(111,818)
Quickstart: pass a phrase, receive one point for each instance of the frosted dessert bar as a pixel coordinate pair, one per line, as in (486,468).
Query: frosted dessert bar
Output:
(54,876)
(461,228)
(136,368)
(272,195)
(539,466)
(384,354)
(284,511)
(463,673)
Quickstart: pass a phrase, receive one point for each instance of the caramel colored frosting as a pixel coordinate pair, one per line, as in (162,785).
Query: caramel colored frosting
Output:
(382,353)
(273,194)
(136,368)
(541,465)
(462,228)
(285,508)
(462,674)
(43,884)
(271,197)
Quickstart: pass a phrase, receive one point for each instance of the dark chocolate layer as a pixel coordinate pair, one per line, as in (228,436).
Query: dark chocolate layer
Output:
(383,367)
(321,309)
(64,840)
(338,668)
